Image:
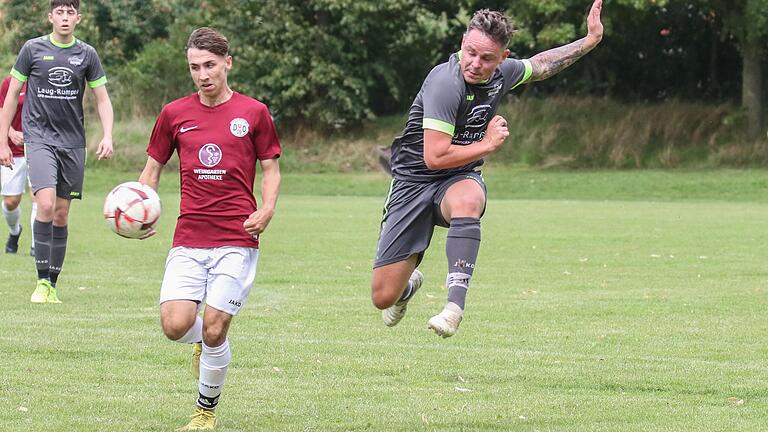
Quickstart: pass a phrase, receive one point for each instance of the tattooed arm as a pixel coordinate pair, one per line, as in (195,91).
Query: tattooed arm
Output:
(550,62)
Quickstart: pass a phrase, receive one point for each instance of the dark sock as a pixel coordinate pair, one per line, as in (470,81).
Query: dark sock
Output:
(461,248)
(43,238)
(206,402)
(58,251)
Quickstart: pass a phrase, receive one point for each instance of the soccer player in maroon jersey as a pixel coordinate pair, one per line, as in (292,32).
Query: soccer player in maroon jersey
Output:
(219,136)
(12,181)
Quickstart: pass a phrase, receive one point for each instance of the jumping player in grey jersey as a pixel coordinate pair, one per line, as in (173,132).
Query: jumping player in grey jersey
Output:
(56,68)
(452,125)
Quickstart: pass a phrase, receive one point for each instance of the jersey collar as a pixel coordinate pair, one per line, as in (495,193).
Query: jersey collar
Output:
(61,45)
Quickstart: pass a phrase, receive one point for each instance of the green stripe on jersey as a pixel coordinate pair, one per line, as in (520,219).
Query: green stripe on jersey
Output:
(98,83)
(61,45)
(526,74)
(439,125)
(18,75)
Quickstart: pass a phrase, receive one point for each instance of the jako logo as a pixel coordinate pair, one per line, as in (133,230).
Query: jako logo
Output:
(60,76)
(235,303)
(464,264)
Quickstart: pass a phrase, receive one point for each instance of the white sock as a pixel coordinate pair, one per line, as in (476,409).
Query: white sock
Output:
(213,371)
(32,222)
(12,217)
(194,334)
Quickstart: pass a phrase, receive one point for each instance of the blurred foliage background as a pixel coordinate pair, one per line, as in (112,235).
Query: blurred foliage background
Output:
(329,65)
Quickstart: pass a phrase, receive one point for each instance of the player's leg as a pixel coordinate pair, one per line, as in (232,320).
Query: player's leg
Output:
(60,234)
(12,214)
(181,294)
(69,186)
(32,216)
(43,173)
(406,231)
(12,188)
(232,271)
(393,286)
(461,207)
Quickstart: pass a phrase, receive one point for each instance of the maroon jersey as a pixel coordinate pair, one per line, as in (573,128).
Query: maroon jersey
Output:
(17,151)
(218,148)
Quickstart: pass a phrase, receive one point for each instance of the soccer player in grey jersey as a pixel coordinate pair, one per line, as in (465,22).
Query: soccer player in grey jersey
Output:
(452,125)
(57,68)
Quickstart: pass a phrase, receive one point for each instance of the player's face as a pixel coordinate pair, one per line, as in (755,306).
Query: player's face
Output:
(480,55)
(64,20)
(209,72)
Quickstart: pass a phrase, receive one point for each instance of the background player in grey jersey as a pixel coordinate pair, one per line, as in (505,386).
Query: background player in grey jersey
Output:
(451,126)
(57,68)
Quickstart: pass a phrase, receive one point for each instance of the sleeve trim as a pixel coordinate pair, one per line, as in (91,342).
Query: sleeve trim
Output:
(527,74)
(18,75)
(439,126)
(97,83)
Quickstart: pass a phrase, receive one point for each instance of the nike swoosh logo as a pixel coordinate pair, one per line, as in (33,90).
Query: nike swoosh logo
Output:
(183,129)
(22,93)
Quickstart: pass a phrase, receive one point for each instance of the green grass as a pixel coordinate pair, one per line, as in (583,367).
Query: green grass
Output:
(602,301)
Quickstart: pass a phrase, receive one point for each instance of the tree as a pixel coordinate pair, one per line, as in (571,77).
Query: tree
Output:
(747,20)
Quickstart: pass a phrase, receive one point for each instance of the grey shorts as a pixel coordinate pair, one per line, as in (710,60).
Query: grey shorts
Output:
(410,214)
(56,167)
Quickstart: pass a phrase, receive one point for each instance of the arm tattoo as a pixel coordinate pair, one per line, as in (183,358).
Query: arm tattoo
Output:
(548,63)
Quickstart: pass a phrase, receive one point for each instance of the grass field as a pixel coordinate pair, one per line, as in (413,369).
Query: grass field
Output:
(602,301)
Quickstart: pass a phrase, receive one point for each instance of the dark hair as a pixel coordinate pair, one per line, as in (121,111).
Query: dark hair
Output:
(208,39)
(74,3)
(493,24)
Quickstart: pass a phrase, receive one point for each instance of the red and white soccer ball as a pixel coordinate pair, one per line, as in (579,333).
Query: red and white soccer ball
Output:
(132,209)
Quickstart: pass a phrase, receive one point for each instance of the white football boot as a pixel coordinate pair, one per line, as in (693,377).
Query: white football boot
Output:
(393,314)
(446,323)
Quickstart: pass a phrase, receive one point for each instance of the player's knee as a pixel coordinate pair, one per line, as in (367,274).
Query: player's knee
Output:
(175,329)
(214,335)
(44,209)
(11,202)
(467,207)
(60,217)
(381,297)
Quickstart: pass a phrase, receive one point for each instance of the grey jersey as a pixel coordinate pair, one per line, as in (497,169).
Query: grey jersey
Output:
(449,104)
(56,76)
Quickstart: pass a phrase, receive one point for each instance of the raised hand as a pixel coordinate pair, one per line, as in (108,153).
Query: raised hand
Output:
(594,24)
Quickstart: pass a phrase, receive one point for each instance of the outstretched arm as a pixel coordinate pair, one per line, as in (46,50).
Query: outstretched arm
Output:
(550,62)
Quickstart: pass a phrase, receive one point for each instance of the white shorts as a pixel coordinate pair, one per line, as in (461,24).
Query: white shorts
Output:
(222,277)
(13,180)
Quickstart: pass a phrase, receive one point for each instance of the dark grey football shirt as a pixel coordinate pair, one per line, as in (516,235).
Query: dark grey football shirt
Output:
(56,76)
(449,104)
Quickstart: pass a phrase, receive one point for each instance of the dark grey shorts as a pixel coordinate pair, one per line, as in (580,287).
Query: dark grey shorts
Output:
(410,214)
(56,167)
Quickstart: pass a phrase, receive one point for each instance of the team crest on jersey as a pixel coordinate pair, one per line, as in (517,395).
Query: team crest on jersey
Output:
(60,76)
(478,117)
(239,127)
(210,155)
(75,61)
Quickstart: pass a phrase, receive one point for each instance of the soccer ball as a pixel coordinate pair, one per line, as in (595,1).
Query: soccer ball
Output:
(132,209)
